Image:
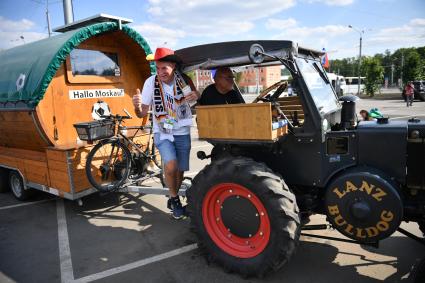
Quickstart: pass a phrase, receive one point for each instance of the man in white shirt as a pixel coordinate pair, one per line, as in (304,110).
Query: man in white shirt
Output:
(168,94)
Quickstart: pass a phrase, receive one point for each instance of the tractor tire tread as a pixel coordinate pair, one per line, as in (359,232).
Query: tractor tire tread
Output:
(276,197)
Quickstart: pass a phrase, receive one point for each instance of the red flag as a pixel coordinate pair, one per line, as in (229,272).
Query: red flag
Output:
(325,61)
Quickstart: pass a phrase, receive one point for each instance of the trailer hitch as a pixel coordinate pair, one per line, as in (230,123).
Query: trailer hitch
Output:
(374,244)
(411,236)
(202,155)
(328,226)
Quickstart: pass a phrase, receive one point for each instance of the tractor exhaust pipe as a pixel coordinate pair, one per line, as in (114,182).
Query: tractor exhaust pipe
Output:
(348,112)
(68,11)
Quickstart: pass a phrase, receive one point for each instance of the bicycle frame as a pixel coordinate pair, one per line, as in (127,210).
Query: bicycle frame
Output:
(128,141)
(134,146)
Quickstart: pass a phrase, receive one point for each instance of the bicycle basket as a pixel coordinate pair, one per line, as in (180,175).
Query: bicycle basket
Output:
(95,130)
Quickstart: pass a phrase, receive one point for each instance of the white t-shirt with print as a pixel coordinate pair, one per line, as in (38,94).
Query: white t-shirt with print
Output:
(147,99)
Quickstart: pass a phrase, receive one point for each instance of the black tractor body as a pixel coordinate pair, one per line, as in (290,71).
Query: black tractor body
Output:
(249,205)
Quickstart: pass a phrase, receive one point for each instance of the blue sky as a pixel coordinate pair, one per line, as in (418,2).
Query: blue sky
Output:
(387,24)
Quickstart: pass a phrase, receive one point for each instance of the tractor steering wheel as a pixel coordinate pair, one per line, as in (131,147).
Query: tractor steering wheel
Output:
(263,94)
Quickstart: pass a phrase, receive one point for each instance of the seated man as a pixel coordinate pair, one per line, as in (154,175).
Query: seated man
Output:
(221,92)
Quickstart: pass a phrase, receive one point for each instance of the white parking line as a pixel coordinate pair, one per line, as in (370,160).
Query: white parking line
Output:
(67,272)
(193,173)
(203,145)
(25,204)
(136,264)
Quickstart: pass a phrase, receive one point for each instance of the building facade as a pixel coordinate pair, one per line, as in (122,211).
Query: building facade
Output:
(248,78)
(263,77)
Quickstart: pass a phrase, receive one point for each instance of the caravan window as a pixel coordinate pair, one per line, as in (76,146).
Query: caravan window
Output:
(94,63)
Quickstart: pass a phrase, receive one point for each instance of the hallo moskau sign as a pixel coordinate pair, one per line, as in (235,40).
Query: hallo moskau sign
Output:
(95,93)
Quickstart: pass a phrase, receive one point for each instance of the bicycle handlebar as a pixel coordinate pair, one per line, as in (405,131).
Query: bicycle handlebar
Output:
(136,127)
(116,117)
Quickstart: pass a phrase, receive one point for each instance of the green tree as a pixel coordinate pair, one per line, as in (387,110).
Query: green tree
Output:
(191,75)
(385,61)
(346,67)
(412,67)
(238,77)
(421,51)
(374,73)
(408,63)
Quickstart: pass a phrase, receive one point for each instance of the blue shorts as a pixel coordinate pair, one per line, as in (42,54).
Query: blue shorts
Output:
(178,150)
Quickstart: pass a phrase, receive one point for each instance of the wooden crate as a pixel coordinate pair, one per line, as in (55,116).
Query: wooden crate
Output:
(237,122)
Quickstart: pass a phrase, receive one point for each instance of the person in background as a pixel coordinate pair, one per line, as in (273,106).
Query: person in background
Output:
(172,119)
(409,91)
(365,115)
(221,91)
(290,90)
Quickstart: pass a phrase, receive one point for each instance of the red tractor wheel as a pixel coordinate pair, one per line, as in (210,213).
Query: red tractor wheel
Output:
(245,217)
(220,209)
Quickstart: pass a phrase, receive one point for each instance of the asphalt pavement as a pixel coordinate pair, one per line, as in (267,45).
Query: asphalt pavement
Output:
(132,238)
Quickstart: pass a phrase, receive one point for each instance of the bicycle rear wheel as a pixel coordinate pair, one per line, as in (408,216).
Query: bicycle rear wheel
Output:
(153,173)
(108,165)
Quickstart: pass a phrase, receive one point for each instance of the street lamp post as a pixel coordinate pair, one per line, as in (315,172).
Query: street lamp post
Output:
(360,55)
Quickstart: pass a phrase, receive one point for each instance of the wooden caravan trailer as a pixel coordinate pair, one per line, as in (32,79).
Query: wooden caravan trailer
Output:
(49,85)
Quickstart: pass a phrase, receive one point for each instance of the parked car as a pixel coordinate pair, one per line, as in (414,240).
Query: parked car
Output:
(352,84)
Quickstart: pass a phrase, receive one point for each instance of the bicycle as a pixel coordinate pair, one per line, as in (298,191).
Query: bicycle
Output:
(117,161)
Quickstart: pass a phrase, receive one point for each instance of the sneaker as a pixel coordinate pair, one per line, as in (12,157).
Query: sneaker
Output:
(177,208)
(169,204)
(186,213)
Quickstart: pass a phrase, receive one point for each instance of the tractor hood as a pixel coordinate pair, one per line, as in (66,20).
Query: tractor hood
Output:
(384,147)
(416,154)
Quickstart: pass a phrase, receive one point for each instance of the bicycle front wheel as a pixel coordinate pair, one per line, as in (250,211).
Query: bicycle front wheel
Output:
(108,165)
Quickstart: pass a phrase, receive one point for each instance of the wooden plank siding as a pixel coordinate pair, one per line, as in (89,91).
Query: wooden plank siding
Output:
(17,130)
(58,113)
(43,144)
(32,164)
(236,121)
(291,104)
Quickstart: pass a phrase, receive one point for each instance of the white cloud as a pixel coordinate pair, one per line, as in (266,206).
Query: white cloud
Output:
(418,22)
(213,18)
(9,25)
(338,2)
(343,42)
(157,35)
(14,33)
(333,2)
(410,34)
(280,24)
(315,37)
(328,31)
(12,39)
(156,11)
